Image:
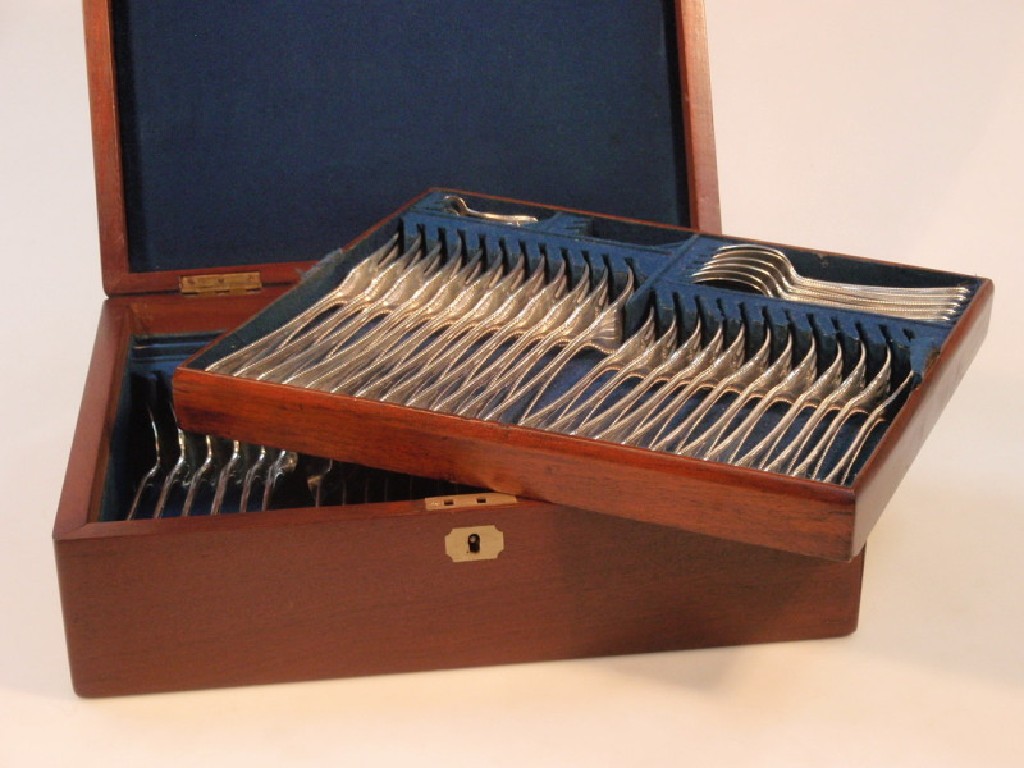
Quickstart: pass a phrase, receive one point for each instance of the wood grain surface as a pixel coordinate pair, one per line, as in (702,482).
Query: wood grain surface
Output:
(172,604)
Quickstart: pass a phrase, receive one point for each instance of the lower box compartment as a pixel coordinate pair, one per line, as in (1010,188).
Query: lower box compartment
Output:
(370,588)
(361,592)
(157,470)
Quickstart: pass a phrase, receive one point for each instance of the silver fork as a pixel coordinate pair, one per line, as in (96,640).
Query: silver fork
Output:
(769,283)
(201,476)
(769,271)
(732,382)
(541,314)
(283,465)
(353,284)
(408,306)
(860,402)
(792,385)
(530,305)
(231,472)
(632,416)
(761,453)
(612,421)
(151,475)
(378,373)
(565,319)
(876,417)
(452,336)
(313,353)
(757,389)
(631,357)
(602,333)
(333,311)
(255,475)
(390,338)
(848,387)
(787,271)
(177,476)
(703,373)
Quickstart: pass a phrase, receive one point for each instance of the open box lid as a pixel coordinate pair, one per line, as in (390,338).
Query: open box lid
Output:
(251,139)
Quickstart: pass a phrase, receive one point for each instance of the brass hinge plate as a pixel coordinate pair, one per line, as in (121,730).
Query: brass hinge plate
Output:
(469,500)
(219,285)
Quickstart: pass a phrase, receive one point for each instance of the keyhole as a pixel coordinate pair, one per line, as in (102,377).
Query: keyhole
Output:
(474,543)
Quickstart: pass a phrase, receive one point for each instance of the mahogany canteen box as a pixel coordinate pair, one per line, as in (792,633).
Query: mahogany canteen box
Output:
(235,145)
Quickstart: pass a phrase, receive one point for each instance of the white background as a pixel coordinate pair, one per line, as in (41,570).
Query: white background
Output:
(887,129)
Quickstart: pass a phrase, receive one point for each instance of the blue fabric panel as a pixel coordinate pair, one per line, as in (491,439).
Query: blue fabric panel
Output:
(275,130)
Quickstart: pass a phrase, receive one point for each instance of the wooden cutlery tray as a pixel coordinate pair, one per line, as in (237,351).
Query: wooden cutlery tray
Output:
(647,271)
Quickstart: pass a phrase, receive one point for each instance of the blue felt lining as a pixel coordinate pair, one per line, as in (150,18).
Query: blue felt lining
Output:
(270,131)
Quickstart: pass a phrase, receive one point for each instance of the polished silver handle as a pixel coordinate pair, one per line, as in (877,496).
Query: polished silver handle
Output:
(458,206)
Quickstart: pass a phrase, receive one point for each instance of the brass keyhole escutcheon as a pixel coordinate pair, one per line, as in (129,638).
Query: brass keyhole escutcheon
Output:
(467,545)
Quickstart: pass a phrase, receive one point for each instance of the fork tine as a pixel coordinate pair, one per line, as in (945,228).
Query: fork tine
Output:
(353,283)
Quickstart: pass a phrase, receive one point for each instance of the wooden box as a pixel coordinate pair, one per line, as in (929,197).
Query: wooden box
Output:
(236,145)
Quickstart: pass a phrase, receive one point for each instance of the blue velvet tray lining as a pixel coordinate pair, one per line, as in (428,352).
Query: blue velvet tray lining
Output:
(269,131)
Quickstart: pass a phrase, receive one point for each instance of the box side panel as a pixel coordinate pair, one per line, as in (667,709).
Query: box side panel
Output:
(88,449)
(380,595)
